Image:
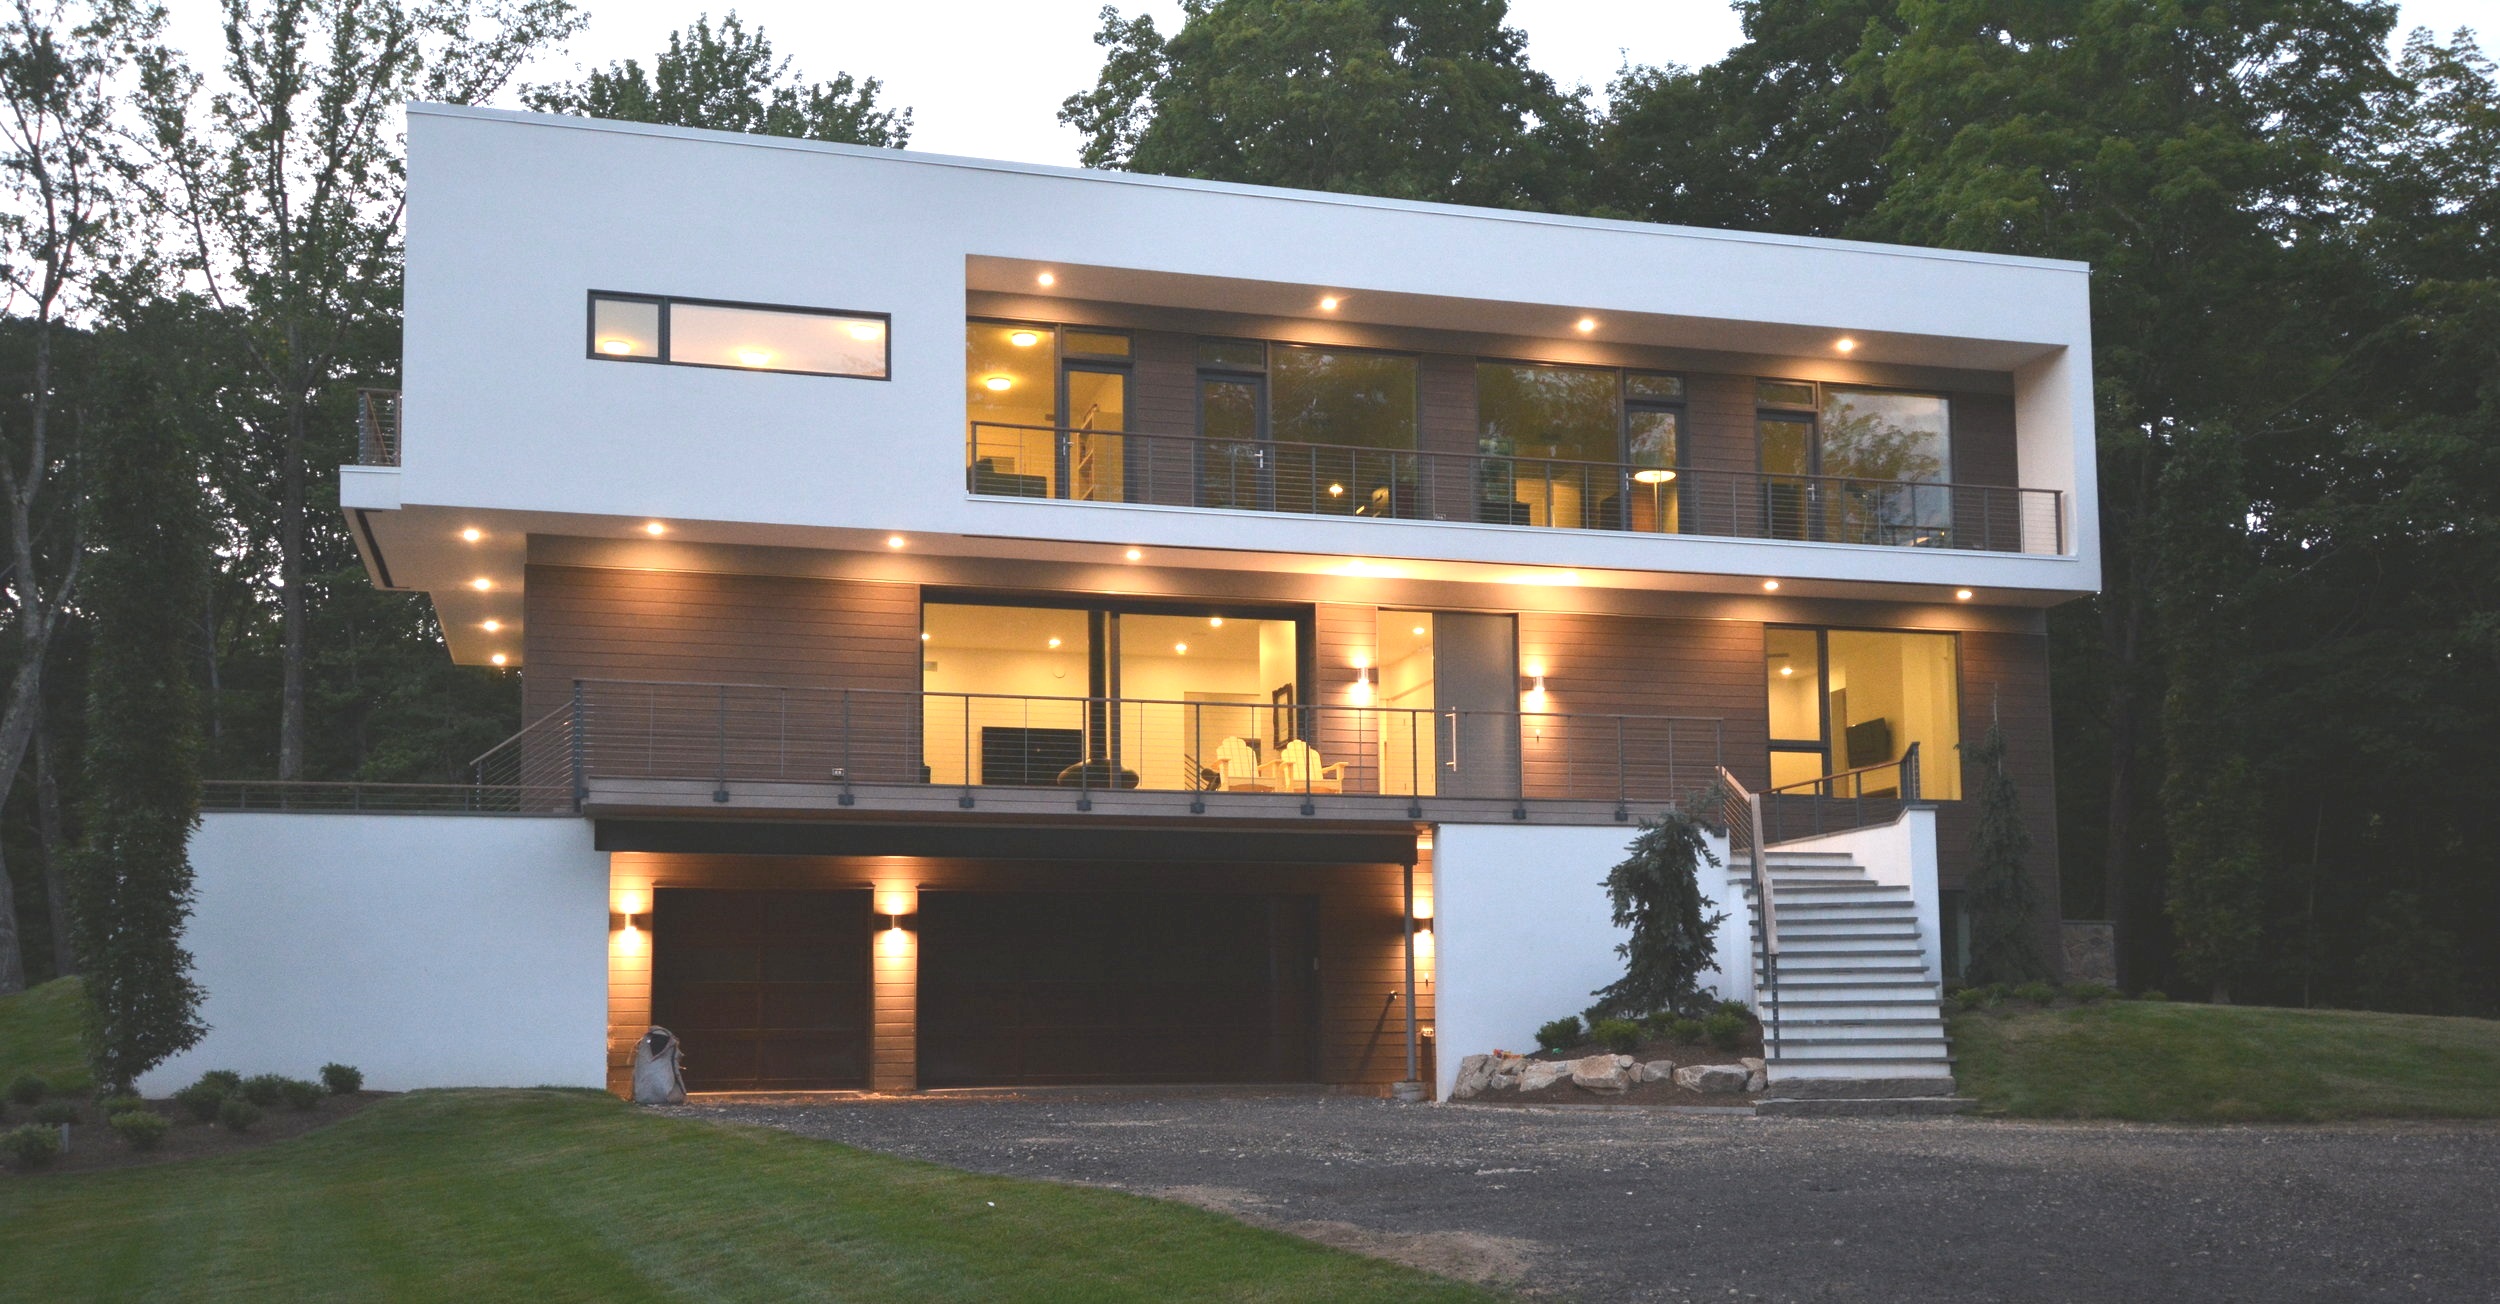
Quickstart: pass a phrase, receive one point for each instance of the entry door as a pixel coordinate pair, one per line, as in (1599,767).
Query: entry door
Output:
(1232,455)
(1095,401)
(1475,683)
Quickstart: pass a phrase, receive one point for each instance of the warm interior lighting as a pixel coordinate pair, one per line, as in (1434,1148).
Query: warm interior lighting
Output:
(1135,555)
(1054,642)
(1845,344)
(1023,339)
(1962,595)
(997,384)
(894,541)
(866,330)
(1328,303)
(1361,692)
(924,637)
(1046,280)
(491,626)
(1215,622)
(1585,325)
(1182,648)
(481,584)
(1770,586)
(1336,490)
(1418,631)
(616,348)
(473,534)
(1786,671)
(1653,476)
(754,357)
(499,658)
(654,528)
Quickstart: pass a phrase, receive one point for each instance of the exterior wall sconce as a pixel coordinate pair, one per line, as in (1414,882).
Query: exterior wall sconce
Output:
(1362,690)
(620,921)
(906,922)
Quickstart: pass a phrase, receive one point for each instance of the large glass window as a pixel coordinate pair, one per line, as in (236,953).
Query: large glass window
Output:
(1854,465)
(1553,436)
(1047,408)
(1342,396)
(1844,699)
(745,337)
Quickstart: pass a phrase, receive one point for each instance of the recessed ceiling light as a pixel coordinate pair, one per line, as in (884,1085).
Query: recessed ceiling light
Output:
(924,636)
(997,384)
(1215,622)
(1786,671)
(616,348)
(894,541)
(654,528)
(1054,642)
(473,534)
(1023,339)
(1135,554)
(1419,631)
(1047,280)
(1585,325)
(1329,302)
(1963,595)
(1770,586)
(499,658)
(481,584)
(1180,647)
(1845,344)
(491,626)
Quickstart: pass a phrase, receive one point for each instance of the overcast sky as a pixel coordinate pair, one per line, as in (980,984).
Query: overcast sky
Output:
(985,77)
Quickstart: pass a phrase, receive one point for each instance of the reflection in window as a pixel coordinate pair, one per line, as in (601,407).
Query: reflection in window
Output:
(1894,439)
(1340,396)
(701,333)
(1563,429)
(1843,700)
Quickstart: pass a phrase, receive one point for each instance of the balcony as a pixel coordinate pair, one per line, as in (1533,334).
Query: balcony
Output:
(628,747)
(1082,465)
(377,427)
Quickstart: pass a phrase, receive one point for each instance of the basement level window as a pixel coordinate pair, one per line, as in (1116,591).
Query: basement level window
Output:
(738,336)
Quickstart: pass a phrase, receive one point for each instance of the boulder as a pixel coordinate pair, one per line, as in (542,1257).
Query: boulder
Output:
(1713,1079)
(1601,1073)
(1759,1080)
(1657,1071)
(1475,1073)
(1540,1074)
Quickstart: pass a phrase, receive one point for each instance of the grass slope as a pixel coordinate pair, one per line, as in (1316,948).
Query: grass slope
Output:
(559,1195)
(39,1034)
(2157,1062)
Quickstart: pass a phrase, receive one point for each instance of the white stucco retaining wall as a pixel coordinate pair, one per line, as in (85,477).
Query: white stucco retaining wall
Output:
(1523,933)
(1899,854)
(426,950)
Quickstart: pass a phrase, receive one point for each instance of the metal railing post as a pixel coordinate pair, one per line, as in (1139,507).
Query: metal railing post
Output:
(720,758)
(581,780)
(1623,805)
(846,798)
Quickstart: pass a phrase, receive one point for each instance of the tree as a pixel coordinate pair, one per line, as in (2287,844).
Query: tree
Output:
(1656,893)
(1431,101)
(61,69)
(728,81)
(287,195)
(2004,909)
(132,876)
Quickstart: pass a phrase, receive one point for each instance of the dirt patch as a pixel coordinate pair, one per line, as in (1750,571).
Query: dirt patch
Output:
(93,1147)
(1475,1257)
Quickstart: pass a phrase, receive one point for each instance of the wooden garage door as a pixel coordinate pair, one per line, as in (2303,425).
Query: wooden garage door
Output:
(768,991)
(1031,988)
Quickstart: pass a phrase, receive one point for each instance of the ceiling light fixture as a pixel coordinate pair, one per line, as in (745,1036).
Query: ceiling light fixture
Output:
(473,534)
(754,357)
(1770,586)
(1653,476)
(491,626)
(997,384)
(1046,280)
(481,584)
(616,348)
(1054,642)
(1182,648)
(499,658)
(1585,325)
(1845,344)
(654,528)
(1962,595)
(866,330)
(1136,555)
(1329,302)
(1419,631)
(1023,339)
(894,541)
(1215,622)
(1336,490)
(1786,671)
(924,636)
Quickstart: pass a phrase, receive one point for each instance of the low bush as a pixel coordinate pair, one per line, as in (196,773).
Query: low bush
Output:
(141,1129)
(115,1106)
(1726,1030)
(1661,1024)
(29,1089)
(1621,1036)
(237,1114)
(32,1146)
(2089,993)
(342,1079)
(264,1089)
(1737,1008)
(1562,1032)
(57,1113)
(1690,1032)
(2151,994)
(225,1081)
(1972,998)
(201,1099)
(2036,993)
(304,1095)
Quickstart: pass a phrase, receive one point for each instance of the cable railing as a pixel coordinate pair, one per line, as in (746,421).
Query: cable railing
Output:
(1836,803)
(1023,461)
(984,746)
(377,427)
(351,796)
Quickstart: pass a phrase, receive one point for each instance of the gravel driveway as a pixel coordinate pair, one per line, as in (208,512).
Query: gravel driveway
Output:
(1622,1205)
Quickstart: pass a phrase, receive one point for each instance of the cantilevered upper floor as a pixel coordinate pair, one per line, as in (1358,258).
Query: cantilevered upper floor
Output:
(616,331)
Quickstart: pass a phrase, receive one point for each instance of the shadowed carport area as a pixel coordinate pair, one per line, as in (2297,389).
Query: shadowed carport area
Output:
(1627,1205)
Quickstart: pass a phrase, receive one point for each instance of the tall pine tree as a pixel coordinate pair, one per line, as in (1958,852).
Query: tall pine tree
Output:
(2004,906)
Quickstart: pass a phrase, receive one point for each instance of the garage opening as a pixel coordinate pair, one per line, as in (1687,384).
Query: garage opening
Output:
(1040,988)
(768,991)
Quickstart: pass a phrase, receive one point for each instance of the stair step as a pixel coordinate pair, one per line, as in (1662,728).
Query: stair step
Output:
(1920,1050)
(1791,945)
(1855,1070)
(1812,962)
(1795,1031)
(1818,928)
(1793,1009)
(1776,857)
(1897,984)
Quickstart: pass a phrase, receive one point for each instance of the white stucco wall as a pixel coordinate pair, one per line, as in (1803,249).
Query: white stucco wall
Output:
(1523,932)
(426,950)
(1899,854)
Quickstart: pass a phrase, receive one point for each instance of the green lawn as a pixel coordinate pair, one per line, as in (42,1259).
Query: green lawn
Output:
(563,1195)
(39,1035)
(2158,1062)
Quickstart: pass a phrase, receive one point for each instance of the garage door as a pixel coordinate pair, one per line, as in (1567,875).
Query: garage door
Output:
(1033,988)
(768,991)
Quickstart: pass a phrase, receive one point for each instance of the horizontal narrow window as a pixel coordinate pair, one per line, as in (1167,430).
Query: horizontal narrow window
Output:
(743,337)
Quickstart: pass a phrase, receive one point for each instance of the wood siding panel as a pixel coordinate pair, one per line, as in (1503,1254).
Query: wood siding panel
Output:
(1614,665)
(2006,676)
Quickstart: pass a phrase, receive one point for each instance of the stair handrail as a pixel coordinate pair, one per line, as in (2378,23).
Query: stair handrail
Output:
(1742,812)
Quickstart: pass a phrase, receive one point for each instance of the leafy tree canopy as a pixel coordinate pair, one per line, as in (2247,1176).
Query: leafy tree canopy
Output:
(728,80)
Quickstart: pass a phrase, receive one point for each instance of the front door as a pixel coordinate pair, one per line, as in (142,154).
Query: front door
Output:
(1476,697)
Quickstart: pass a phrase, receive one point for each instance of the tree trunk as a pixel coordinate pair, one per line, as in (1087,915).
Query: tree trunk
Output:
(55,852)
(291,527)
(12,960)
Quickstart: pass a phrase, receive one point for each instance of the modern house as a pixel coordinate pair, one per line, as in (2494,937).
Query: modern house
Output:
(995,625)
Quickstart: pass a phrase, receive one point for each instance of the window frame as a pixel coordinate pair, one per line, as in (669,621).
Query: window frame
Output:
(1823,702)
(1625,402)
(1813,418)
(665,302)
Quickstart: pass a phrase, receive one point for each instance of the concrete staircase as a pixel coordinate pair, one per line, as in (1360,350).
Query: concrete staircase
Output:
(1861,1028)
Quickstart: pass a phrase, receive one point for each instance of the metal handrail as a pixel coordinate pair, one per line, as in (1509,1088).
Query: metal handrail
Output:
(377,427)
(1742,812)
(1007,459)
(1817,797)
(358,796)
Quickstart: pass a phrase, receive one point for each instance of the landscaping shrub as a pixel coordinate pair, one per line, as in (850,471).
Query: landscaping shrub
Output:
(342,1079)
(2089,993)
(57,1113)
(237,1114)
(115,1106)
(1621,1036)
(29,1089)
(1562,1032)
(31,1146)
(264,1089)
(141,1130)
(2036,993)
(304,1095)
(226,1081)
(1737,1008)
(1725,1030)
(1662,1024)
(1972,998)
(1690,1032)
(2151,994)
(201,1099)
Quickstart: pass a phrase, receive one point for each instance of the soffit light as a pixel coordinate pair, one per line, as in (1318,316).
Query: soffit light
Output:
(481,584)
(1419,631)
(1046,280)
(1786,671)
(473,534)
(1770,586)
(1136,555)
(1329,302)
(997,384)
(499,658)
(1023,339)
(1845,344)
(1962,595)
(1653,476)
(1054,642)
(894,541)
(1182,648)
(1215,622)
(491,626)
(1585,325)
